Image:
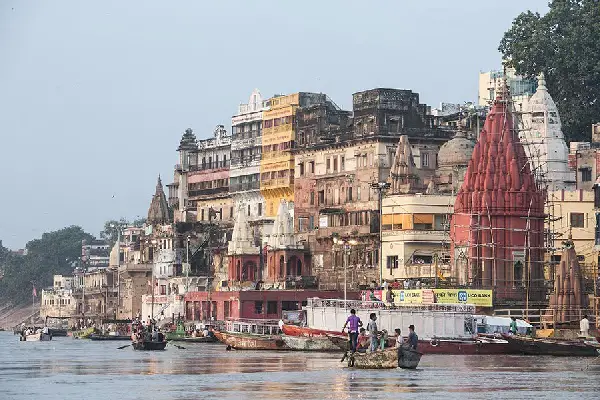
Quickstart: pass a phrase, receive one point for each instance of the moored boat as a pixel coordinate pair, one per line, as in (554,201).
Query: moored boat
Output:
(293,330)
(315,343)
(97,336)
(250,341)
(385,359)
(36,337)
(148,345)
(83,333)
(551,347)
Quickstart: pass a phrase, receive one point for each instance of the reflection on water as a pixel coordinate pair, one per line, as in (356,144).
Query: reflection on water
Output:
(66,368)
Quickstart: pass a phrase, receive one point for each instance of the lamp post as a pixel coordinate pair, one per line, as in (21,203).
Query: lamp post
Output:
(346,246)
(381,187)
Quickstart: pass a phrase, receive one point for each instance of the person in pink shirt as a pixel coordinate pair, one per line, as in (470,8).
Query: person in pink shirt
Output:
(353,322)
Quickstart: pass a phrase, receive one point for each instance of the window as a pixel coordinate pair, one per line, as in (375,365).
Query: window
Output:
(321,197)
(440,222)
(335,164)
(311,222)
(258,307)
(231,212)
(289,305)
(349,194)
(301,169)
(248,209)
(421,259)
(302,224)
(202,215)
(358,193)
(271,307)
(577,220)
(424,159)
(586,174)
(259,209)
(163,289)
(312,198)
(311,167)
(580,258)
(343,163)
(226,309)
(328,164)
(392,262)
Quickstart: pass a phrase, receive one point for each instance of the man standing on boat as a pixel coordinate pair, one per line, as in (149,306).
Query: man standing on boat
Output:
(512,328)
(413,339)
(353,322)
(373,331)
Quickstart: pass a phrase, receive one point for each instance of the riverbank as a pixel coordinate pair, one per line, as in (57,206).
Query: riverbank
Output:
(14,315)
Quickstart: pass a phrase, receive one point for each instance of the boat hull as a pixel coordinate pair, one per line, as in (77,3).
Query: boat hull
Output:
(385,359)
(36,337)
(315,343)
(455,347)
(241,341)
(293,330)
(551,347)
(94,336)
(195,339)
(149,346)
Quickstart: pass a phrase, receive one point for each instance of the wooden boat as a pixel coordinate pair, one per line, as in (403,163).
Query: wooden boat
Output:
(315,343)
(190,339)
(36,337)
(83,333)
(385,359)
(149,345)
(444,346)
(249,341)
(551,347)
(294,330)
(97,336)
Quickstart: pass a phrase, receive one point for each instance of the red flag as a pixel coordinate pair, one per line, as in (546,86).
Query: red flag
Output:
(34,292)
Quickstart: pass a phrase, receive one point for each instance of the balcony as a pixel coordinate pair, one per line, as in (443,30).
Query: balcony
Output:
(346,231)
(240,142)
(244,186)
(268,155)
(245,161)
(209,166)
(209,192)
(276,183)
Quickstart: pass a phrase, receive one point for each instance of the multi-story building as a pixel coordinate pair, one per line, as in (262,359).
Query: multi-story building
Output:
(277,160)
(58,301)
(339,161)
(246,149)
(202,177)
(95,253)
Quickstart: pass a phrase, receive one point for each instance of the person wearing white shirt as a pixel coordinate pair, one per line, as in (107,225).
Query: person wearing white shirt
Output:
(584,326)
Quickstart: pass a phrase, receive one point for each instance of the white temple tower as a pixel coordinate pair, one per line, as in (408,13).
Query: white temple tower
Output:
(544,142)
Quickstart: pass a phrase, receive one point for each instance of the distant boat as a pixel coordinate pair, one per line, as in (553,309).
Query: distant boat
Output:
(36,337)
(149,345)
(250,341)
(97,336)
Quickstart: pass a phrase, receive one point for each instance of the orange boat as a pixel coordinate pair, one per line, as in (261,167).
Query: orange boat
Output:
(294,330)
(249,341)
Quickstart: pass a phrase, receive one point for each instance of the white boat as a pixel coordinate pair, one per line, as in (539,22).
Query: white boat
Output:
(309,343)
(36,337)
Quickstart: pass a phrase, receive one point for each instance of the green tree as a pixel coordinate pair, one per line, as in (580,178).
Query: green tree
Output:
(54,253)
(564,44)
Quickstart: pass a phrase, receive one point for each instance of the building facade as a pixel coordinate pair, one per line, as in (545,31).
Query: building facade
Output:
(277,160)
(339,160)
(246,149)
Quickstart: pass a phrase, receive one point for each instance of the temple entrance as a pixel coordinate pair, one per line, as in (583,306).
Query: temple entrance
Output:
(294,267)
(249,272)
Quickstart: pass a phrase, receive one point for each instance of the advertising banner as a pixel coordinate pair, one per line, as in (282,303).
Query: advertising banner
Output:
(477,297)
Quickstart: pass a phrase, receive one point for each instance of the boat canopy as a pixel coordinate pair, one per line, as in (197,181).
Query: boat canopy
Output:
(495,324)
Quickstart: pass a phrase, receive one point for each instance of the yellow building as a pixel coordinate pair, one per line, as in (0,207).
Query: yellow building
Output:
(415,236)
(278,136)
(572,213)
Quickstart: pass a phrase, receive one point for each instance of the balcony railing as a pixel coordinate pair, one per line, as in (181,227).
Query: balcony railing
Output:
(240,187)
(209,166)
(267,155)
(246,160)
(277,182)
(208,192)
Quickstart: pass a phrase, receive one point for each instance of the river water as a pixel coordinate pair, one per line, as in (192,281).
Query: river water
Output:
(66,368)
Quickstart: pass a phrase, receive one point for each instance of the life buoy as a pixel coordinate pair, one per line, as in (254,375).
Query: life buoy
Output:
(434,342)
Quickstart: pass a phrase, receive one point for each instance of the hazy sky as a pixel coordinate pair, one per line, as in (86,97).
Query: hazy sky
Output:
(94,95)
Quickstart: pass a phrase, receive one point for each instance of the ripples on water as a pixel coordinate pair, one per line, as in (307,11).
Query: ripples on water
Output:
(66,368)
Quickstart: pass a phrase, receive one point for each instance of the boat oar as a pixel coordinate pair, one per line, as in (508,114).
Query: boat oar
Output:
(122,347)
(179,347)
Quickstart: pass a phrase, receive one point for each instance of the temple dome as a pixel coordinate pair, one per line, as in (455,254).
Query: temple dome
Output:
(457,151)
